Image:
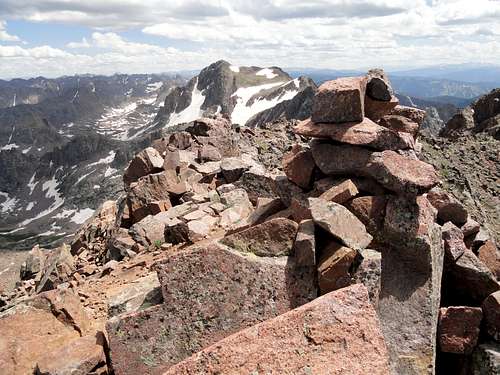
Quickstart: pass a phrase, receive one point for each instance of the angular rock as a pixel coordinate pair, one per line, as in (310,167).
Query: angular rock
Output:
(304,247)
(149,230)
(461,122)
(364,133)
(469,281)
(340,193)
(401,175)
(400,124)
(414,114)
(412,263)
(370,210)
(338,221)
(449,208)
(339,159)
(33,263)
(176,231)
(120,246)
(302,341)
(334,266)
(340,100)
(209,294)
(490,256)
(208,153)
(470,228)
(491,313)
(265,208)
(458,329)
(287,190)
(364,185)
(376,109)
(298,165)
(454,245)
(197,230)
(180,140)
(368,272)
(57,269)
(238,207)
(232,168)
(378,86)
(145,162)
(270,239)
(486,359)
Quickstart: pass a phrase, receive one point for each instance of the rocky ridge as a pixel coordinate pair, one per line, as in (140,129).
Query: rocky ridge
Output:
(226,236)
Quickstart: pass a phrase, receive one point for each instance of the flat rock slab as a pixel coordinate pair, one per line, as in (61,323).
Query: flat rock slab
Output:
(340,193)
(209,294)
(340,222)
(335,334)
(414,114)
(376,109)
(400,124)
(340,100)
(334,266)
(274,237)
(365,133)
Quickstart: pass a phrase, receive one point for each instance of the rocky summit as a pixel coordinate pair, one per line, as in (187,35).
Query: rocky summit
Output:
(318,235)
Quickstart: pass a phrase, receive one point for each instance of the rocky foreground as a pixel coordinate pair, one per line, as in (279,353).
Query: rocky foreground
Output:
(324,246)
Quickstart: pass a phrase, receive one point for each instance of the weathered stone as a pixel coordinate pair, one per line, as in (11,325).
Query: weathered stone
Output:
(364,185)
(208,153)
(490,256)
(287,190)
(302,342)
(304,247)
(340,100)
(378,86)
(232,168)
(149,230)
(57,269)
(364,133)
(208,169)
(368,272)
(334,266)
(481,238)
(470,228)
(265,208)
(376,109)
(400,174)
(209,293)
(340,193)
(180,140)
(135,296)
(120,246)
(176,231)
(458,329)
(338,221)
(414,114)
(258,184)
(449,208)
(197,230)
(412,263)
(461,122)
(38,327)
(486,359)
(400,124)
(81,356)
(145,162)
(454,245)
(468,281)
(33,264)
(238,208)
(370,210)
(298,165)
(491,312)
(339,159)
(271,238)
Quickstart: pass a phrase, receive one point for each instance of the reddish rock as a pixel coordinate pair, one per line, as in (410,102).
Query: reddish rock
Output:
(412,263)
(449,208)
(453,238)
(340,193)
(149,230)
(340,222)
(414,114)
(490,256)
(400,174)
(334,266)
(470,228)
(208,153)
(491,311)
(180,140)
(378,86)
(368,272)
(370,210)
(458,329)
(266,207)
(56,269)
(271,238)
(232,168)
(400,124)
(339,159)
(209,294)
(302,341)
(145,162)
(304,247)
(365,133)
(376,109)
(364,185)
(340,100)
(298,165)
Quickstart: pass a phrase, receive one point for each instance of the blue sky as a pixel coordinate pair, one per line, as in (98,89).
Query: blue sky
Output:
(57,37)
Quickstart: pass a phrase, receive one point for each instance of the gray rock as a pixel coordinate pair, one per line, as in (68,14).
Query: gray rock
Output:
(486,359)
(368,272)
(304,248)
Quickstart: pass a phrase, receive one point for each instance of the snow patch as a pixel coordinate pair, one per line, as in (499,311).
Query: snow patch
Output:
(193,111)
(32,184)
(26,150)
(80,179)
(153,87)
(235,69)
(82,216)
(107,160)
(30,206)
(64,214)
(268,73)
(110,171)
(9,146)
(9,204)
(50,188)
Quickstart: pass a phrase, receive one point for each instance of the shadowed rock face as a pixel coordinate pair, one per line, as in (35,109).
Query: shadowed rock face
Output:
(209,293)
(335,333)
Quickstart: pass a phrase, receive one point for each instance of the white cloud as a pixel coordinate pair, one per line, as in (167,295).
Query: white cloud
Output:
(5,36)
(83,44)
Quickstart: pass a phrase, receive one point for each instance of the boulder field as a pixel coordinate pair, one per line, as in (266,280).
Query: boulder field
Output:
(324,246)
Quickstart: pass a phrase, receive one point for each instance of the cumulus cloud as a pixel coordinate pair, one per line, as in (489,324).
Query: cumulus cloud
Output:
(5,36)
